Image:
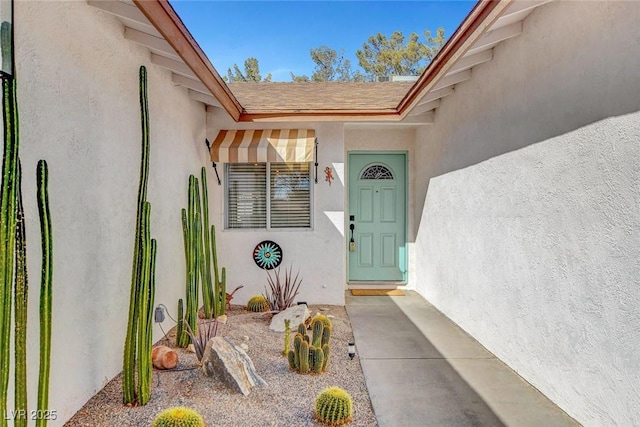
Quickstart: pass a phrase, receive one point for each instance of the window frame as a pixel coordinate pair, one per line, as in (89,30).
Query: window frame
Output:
(267,193)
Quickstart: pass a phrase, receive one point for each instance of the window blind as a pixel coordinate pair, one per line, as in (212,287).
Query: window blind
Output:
(290,196)
(246,195)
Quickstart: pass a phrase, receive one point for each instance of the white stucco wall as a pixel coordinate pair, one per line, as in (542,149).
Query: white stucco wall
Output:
(79,110)
(318,253)
(529,236)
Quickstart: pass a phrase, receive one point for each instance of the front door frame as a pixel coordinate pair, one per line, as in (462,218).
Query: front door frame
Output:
(405,267)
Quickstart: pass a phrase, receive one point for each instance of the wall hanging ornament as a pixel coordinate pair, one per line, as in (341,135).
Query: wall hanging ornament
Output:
(267,255)
(328,174)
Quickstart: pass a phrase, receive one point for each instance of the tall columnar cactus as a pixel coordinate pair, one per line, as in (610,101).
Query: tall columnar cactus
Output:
(45,290)
(220,279)
(192,235)
(139,328)
(208,300)
(200,254)
(7,222)
(334,407)
(180,328)
(20,317)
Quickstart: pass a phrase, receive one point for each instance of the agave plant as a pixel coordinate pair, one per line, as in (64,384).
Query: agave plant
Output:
(207,329)
(282,291)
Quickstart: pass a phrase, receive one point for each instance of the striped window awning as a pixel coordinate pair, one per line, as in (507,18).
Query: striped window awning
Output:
(264,145)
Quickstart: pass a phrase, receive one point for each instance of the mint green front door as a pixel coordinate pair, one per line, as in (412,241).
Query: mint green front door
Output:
(377,215)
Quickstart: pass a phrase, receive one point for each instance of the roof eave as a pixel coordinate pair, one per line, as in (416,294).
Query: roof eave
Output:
(321,116)
(479,20)
(168,23)
(163,17)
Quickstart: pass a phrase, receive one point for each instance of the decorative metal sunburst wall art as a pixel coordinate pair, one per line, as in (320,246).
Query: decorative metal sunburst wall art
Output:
(267,255)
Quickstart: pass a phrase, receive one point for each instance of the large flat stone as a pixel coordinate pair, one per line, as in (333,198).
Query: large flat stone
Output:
(225,362)
(296,314)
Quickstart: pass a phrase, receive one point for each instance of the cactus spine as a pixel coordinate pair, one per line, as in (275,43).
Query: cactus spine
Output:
(326,351)
(326,336)
(318,327)
(304,357)
(333,407)
(7,218)
(137,343)
(178,417)
(45,289)
(318,360)
(258,304)
(287,336)
(21,296)
(297,341)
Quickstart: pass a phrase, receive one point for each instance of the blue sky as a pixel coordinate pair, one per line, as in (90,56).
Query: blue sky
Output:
(281,33)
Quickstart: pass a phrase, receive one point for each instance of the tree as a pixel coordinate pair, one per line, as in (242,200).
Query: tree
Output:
(330,66)
(382,56)
(251,73)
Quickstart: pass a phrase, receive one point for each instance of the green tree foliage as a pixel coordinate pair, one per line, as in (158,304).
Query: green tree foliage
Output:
(251,73)
(397,55)
(331,65)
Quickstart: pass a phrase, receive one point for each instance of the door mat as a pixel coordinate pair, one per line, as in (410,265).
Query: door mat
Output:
(377,292)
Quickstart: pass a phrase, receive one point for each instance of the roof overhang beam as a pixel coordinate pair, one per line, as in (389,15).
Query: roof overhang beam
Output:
(168,23)
(483,15)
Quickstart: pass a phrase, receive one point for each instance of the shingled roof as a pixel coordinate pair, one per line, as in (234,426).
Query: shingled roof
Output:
(384,96)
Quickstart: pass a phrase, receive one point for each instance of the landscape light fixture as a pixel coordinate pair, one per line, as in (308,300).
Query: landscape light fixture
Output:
(352,350)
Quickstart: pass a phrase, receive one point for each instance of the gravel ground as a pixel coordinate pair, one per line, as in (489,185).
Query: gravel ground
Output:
(287,399)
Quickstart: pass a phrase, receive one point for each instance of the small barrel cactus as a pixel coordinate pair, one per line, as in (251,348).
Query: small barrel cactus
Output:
(258,304)
(334,407)
(178,417)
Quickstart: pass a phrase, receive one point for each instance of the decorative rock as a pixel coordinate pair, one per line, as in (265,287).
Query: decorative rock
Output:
(230,364)
(245,338)
(296,314)
(222,319)
(244,346)
(191,348)
(164,357)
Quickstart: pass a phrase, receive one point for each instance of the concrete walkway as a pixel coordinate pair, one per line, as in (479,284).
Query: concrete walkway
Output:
(422,370)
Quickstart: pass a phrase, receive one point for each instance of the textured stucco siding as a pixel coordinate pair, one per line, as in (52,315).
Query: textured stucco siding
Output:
(529,237)
(79,110)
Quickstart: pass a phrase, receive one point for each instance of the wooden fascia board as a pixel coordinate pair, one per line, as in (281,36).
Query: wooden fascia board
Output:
(479,20)
(168,23)
(321,116)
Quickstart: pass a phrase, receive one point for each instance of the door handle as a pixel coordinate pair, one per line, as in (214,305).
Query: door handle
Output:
(352,243)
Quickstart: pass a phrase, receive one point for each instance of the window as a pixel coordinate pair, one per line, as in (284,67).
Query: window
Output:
(268,195)
(376,172)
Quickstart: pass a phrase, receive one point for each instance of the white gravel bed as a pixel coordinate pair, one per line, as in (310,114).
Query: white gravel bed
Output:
(287,399)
